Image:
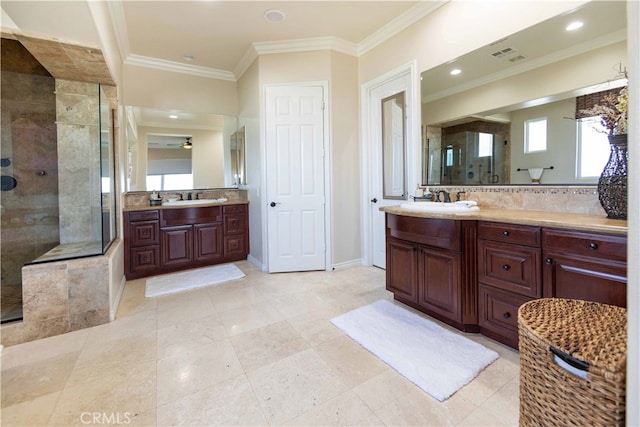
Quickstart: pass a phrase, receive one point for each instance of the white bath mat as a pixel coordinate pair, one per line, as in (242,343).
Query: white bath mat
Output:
(433,358)
(191,279)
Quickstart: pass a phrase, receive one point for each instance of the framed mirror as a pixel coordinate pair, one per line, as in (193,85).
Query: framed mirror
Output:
(393,147)
(536,73)
(156,149)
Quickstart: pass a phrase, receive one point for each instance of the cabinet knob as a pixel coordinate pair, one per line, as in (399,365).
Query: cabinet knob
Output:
(505,267)
(548,261)
(506,315)
(593,245)
(374,200)
(505,233)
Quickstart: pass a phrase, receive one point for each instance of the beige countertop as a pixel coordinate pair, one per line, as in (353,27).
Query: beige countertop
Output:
(200,205)
(571,221)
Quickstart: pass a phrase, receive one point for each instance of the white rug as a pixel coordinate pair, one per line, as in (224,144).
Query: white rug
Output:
(191,279)
(433,358)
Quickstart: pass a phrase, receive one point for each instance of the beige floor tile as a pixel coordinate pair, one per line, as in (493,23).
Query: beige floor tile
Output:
(505,403)
(300,303)
(42,349)
(34,412)
(482,417)
(266,345)
(249,318)
(235,298)
(292,386)
(128,349)
(384,388)
(352,362)
(126,391)
(229,403)
(180,337)
(196,369)
(123,327)
(29,381)
(344,410)
(489,381)
(182,307)
(315,326)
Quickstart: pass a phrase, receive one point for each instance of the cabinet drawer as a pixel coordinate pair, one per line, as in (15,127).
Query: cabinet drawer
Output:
(510,267)
(602,246)
(184,216)
(144,233)
(234,209)
(235,246)
(441,233)
(509,233)
(498,312)
(145,259)
(143,215)
(235,224)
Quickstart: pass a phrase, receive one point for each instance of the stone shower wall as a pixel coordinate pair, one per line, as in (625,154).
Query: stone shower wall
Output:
(78,125)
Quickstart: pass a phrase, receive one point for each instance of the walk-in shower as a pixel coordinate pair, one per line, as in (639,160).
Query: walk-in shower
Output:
(57,170)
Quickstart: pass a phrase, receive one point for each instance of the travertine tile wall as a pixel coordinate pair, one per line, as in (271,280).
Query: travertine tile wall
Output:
(571,199)
(78,123)
(140,199)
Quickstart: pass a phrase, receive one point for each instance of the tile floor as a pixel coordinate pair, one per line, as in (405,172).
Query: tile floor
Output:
(257,351)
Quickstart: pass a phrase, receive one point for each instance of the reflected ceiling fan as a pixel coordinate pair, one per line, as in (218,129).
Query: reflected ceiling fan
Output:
(187,144)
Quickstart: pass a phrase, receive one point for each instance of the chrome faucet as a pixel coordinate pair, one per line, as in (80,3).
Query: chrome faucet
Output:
(458,194)
(447,196)
(189,197)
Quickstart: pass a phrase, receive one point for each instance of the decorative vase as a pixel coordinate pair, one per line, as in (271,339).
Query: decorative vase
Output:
(612,185)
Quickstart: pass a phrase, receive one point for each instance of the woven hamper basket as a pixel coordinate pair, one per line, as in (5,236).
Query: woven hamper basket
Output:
(583,334)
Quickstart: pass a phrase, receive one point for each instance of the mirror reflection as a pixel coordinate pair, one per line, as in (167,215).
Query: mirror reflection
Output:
(159,153)
(475,121)
(393,147)
(237,156)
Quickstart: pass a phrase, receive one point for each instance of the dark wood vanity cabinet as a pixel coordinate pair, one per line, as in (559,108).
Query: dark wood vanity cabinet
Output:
(431,267)
(509,274)
(166,240)
(587,266)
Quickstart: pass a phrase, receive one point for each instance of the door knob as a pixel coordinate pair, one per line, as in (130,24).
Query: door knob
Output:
(273,204)
(374,200)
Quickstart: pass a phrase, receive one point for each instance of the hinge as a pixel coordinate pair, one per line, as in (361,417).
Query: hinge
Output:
(323,106)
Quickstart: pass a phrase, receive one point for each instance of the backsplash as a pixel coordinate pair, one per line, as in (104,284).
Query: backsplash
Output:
(140,199)
(571,199)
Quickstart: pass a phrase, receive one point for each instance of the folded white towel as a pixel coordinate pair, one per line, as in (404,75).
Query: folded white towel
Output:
(535,173)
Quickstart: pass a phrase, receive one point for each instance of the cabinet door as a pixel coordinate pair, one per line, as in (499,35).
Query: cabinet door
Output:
(402,270)
(177,245)
(208,242)
(144,260)
(588,279)
(143,233)
(439,282)
(499,314)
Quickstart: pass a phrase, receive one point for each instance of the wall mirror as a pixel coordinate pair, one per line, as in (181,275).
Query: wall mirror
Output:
(393,147)
(160,158)
(237,156)
(473,122)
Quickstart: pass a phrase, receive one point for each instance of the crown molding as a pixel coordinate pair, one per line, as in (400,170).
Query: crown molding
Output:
(177,126)
(116,10)
(603,41)
(245,62)
(305,45)
(177,67)
(398,24)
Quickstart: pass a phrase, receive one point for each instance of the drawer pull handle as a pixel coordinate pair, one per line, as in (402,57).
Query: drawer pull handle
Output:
(548,261)
(505,267)
(593,246)
(506,315)
(505,233)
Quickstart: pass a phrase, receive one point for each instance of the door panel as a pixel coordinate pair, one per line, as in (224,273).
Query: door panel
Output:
(295,178)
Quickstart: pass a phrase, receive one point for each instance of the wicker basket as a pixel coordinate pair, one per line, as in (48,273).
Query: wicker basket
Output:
(583,333)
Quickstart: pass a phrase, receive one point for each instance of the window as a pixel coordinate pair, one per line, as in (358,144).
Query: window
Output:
(535,135)
(170,182)
(593,148)
(485,144)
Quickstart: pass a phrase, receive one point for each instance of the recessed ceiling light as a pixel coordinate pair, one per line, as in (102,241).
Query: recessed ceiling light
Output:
(188,57)
(274,16)
(173,116)
(455,71)
(574,25)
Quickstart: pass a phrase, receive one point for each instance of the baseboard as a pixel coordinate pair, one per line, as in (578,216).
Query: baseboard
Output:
(114,307)
(257,263)
(348,264)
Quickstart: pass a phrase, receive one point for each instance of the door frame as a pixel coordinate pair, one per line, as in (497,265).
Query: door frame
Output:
(413,146)
(324,84)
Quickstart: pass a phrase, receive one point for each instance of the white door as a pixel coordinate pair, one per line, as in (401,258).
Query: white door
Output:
(376,95)
(295,178)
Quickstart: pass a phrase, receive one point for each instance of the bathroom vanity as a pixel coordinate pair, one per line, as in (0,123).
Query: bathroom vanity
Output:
(166,239)
(474,271)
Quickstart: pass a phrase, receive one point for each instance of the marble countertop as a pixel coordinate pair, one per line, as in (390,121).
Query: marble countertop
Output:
(570,221)
(199,205)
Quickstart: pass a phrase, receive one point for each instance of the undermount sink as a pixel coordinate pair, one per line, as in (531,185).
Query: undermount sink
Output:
(457,207)
(193,202)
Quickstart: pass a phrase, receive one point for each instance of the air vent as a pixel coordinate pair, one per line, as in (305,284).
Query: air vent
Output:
(502,53)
